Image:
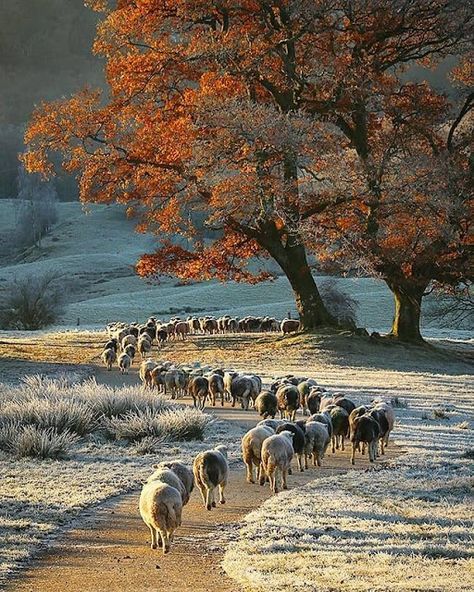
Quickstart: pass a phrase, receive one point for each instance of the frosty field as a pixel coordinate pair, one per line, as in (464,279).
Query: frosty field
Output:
(405,516)
(98,269)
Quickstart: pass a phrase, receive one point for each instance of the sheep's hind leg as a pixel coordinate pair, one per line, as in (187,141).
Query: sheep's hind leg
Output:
(153,536)
(221,493)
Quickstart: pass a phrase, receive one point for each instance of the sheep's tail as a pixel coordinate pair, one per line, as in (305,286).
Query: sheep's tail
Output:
(209,475)
(170,518)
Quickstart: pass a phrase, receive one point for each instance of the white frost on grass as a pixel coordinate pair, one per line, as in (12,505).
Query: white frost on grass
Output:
(40,497)
(405,525)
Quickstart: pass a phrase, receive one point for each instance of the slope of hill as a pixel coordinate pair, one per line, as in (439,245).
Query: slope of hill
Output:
(95,250)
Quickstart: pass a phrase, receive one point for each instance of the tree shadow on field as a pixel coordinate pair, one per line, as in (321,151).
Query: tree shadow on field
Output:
(13,370)
(382,354)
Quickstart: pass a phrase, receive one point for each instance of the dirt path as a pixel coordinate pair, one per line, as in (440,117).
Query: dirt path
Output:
(110,550)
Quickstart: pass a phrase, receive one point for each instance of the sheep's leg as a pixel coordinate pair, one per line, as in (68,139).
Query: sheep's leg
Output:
(342,442)
(299,463)
(306,461)
(222,398)
(221,493)
(166,542)
(283,478)
(203,491)
(209,499)
(153,536)
(363,447)
(382,450)
(271,477)
(354,447)
(261,475)
(333,441)
(213,494)
(371,452)
(249,466)
(318,458)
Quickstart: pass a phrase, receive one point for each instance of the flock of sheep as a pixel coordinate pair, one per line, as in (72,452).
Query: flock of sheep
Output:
(270,447)
(328,419)
(126,340)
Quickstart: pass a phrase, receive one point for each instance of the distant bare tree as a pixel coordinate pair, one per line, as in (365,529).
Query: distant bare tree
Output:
(32,302)
(454,309)
(37,210)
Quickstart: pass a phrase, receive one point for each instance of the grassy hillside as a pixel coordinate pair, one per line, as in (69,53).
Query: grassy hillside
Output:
(96,249)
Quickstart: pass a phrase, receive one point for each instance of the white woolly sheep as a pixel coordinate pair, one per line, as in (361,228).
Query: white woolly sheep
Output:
(161,507)
(108,357)
(316,442)
(277,453)
(181,471)
(124,363)
(144,372)
(169,477)
(252,451)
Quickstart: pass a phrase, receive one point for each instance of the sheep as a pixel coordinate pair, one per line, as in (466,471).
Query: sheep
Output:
(216,388)
(161,508)
(266,404)
(316,442)
(340,427)
(157,378)
(181,329)
(144,346)
(161,336)
(288,401)
(252,449)
(108,357)
(182,471)
(128,340)
(242,388)
(169,477)
(211,470)
(144,372)
(298,440)
(130,351)
(111,344)
(304,388)
(389,412)
(124,363)
(277,453)
(289,326)
(228,378)
(380,417)
(198,389)
(271,423)
(345,403)
(313,400)
(325,419)
(365,429)
(356,413)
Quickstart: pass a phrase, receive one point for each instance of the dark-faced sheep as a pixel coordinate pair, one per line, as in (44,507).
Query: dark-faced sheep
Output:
(198,389)
(216,388)
(288,401)
(340,427)
(211,471)
(381,419)
(365,430)
(266,404)
(298,440)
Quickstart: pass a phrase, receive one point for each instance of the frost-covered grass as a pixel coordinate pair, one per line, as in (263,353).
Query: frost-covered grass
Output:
(45,417)
(405,525)
(40,496)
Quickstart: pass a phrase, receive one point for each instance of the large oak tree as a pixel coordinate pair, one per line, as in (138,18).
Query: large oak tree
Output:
(240,111)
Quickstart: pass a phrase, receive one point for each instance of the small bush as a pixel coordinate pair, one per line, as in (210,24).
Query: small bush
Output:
(147,445)
(398,403)
(32,441)
(32,302)
(464,425)
(178,424)
(440,414)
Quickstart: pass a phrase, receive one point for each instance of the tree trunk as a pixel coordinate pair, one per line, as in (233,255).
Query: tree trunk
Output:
(406,320)
(311,309)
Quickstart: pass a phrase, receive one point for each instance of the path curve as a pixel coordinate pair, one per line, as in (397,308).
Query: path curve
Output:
(109,551)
